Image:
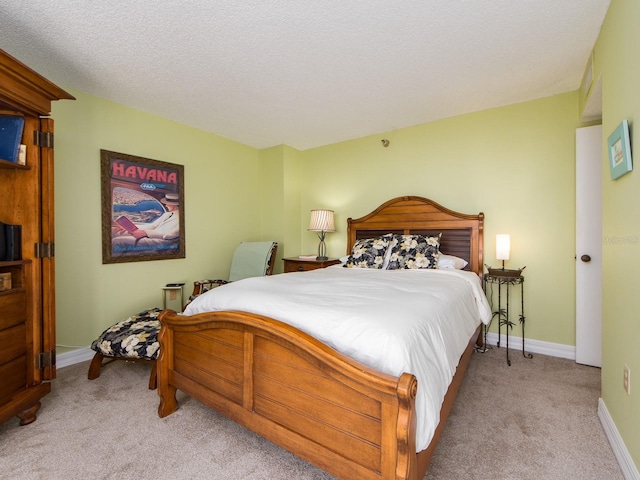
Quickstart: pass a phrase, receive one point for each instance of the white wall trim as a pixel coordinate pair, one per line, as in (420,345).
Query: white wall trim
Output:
(534,346)
(74,356)
(629,470)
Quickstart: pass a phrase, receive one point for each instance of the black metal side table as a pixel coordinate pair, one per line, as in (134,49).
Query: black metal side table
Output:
(505,279)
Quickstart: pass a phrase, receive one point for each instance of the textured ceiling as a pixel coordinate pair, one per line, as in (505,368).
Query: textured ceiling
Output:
(306,73)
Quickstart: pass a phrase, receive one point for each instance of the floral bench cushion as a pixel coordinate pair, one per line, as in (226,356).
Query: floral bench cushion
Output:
(135,337)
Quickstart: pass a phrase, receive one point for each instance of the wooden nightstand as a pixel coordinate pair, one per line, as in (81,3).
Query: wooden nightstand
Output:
(297,265)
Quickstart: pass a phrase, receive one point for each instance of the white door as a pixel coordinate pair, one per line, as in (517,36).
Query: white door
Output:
(589,245)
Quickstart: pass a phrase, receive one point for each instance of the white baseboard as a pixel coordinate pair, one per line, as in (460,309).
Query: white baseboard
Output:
(74,356)
(629,470)
(534,346)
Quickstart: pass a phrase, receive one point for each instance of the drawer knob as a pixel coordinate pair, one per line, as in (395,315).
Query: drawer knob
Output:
(300,268)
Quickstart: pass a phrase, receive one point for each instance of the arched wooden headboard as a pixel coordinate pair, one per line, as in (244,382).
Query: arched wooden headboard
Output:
(462,234)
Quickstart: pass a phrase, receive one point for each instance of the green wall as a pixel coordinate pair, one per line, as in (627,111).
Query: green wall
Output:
(281,199)
(515,164)
(616,59)
(222,199)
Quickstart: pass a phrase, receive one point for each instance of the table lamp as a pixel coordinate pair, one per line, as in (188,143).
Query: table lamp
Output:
(503,247)
(321,222)
(503,251)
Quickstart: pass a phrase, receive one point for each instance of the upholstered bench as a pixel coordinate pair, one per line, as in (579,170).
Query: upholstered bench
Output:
(134,339)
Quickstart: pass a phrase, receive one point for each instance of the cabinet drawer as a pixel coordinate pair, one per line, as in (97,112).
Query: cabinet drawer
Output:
(14,309)
(13,343)
(14,377)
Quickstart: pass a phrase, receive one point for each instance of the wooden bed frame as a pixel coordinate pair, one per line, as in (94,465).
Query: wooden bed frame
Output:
(348,419)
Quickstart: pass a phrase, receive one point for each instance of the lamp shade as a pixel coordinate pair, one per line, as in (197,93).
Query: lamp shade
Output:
(321,221)
(503,246)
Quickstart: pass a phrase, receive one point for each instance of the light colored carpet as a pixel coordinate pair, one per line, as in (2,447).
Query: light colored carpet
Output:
(534,420)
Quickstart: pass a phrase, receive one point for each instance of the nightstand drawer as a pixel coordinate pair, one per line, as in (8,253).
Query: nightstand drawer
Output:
(298,265)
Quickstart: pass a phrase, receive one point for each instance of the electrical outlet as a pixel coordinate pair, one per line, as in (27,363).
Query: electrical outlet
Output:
(626,381)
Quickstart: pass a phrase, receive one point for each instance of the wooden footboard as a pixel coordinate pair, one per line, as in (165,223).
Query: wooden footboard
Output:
(347,419)
(275,380)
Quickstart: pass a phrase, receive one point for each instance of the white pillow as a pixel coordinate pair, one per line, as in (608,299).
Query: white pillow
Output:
(450,261)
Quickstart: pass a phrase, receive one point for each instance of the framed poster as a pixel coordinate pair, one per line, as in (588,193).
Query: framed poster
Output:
(142,208)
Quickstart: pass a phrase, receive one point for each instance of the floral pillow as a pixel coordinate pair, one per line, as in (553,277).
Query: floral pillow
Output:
(414,251)
(368,253)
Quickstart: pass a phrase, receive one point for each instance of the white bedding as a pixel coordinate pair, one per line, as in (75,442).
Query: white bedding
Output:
(396,321)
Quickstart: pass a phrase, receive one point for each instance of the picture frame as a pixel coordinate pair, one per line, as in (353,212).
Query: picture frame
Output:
(142,208)
(620,162)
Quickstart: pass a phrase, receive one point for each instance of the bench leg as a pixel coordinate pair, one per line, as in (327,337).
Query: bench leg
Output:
(94,367)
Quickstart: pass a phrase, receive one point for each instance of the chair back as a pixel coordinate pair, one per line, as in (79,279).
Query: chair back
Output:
(253,259)
(250,259)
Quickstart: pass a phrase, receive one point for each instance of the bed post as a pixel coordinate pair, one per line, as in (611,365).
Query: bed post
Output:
(407,461)
(167,393)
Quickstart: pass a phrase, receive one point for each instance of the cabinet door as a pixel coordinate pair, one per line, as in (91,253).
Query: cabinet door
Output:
(27,309)
(27,200)
(47,260)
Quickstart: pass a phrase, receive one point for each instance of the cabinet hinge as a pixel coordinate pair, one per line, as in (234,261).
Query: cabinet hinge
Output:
(43,139)
(45,250)
(46,359)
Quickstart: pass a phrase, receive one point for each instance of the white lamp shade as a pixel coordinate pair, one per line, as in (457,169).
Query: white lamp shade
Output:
(503,246)
(321,221)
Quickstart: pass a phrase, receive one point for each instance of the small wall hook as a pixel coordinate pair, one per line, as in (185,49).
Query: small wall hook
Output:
(385,142)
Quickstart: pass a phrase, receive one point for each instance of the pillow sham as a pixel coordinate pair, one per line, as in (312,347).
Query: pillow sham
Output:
(414,252)
(451,261)
(368,253)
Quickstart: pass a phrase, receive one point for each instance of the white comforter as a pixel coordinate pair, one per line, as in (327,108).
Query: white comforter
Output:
(396,321)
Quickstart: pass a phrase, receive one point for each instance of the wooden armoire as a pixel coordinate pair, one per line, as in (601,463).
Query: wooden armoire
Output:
(27,295)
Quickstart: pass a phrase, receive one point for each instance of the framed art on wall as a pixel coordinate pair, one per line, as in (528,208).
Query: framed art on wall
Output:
(620,151)
(142,208)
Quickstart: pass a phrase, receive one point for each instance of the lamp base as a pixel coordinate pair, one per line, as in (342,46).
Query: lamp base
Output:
(322,248)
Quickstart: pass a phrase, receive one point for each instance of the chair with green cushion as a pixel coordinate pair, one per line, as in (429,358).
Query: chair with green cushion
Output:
(250,259)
